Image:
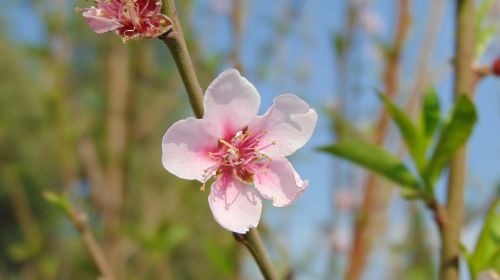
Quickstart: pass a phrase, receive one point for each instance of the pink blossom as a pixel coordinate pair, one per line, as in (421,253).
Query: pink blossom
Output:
(130,18)
(238,149)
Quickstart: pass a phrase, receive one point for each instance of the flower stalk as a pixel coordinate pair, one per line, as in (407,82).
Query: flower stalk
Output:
(174,39)
(175,42)
(254,244)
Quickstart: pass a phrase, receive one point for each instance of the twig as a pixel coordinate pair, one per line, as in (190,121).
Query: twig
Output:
(464,84)
(376,198)
(177,46)
(254,244)
(80,222)
(174,40)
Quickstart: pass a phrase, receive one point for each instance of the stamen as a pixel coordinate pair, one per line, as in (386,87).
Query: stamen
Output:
(268,145)
(227,144)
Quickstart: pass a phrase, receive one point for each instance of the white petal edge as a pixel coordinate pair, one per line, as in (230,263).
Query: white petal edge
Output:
(231,102)
(289,122)
(280,183)
(185,148)
(235,205)
(100,24)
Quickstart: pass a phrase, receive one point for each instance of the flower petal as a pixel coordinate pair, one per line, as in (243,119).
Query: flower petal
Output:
(98,23)
(289,123)
(185,148)
(280,183)
(231,102)
(235,205)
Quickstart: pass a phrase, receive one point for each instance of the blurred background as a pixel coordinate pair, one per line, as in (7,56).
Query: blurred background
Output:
(84,114)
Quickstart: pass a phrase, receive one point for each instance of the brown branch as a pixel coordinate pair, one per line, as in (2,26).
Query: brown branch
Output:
(376,197)
(79,221)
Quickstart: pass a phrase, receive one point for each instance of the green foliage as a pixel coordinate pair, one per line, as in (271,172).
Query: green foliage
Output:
(487,252)
(411,136)
(453,136)
(378,160)
(59,201)
(339,44)
(431,113)
(484,33)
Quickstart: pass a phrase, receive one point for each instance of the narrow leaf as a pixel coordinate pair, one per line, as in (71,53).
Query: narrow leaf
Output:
(408,130)
(377,160)
(57,200)
(431,114)
(453,136)
(487,252)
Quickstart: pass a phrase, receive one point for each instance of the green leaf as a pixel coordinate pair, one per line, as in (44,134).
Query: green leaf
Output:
(484,36)
(408,130)
(482,11)
(453,136)
(57,200)
(339,43)
(487,252)
(431,113)
(377,160)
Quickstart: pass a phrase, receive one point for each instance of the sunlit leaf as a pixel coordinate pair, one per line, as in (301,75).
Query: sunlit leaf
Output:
(408,130)
(377,160)
(487,252)
(453,136)
(57,200)
(431,114)
(484,33)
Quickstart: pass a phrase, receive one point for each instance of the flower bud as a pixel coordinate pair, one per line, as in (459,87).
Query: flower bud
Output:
(495,68)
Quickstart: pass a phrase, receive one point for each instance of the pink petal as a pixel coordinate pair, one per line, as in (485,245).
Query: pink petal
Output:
(235,205)
(185,148)
(231,102)
(280,183)
(289,122)
(98,23)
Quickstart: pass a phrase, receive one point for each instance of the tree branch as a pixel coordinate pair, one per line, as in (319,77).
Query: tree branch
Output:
(464,84)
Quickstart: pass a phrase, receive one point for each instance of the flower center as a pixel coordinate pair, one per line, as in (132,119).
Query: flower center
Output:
(241,155)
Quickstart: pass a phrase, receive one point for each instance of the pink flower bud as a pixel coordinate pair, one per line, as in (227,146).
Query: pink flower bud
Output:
(129,18)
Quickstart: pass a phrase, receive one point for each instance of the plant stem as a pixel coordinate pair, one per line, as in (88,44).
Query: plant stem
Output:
(177,46)
(464,84)
(254,244)
(79,220)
